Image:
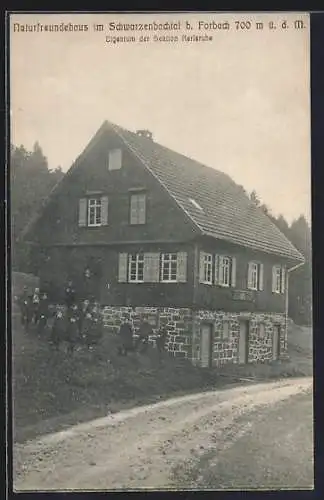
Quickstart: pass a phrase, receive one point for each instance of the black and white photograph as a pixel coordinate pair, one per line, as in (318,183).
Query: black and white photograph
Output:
(161,260)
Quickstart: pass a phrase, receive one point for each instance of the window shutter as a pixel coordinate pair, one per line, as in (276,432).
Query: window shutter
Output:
(283,279)
(151,267)
(115,159)
(261,274)
(182,267)
(274,278)
(122,268)
(82,212)
(220,267)
(249,280)
(104,210)
(202,267)
(233,272)
(216,269)
(142,209)
(133,210)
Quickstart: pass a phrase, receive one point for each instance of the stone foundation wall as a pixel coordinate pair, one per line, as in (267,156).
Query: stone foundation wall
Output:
(178,323)
(183,327)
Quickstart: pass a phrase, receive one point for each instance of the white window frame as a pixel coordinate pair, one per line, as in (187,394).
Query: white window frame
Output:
(139,262)
(96,204)
(167,259)
(224,263)
(208,269)
(138,212)
(279,270)
(257,276)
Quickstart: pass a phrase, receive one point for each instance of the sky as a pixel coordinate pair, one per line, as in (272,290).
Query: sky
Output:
(239,103)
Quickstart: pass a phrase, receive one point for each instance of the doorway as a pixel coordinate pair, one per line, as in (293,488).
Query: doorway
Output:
(206,345)
(276,343)
(243,347)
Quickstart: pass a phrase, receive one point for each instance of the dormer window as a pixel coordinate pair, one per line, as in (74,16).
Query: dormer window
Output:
(195,204)
(115,159)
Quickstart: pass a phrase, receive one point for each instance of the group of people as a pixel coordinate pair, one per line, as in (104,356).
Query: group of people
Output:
(75,322)
(129,343)
(80,322)
(34,309)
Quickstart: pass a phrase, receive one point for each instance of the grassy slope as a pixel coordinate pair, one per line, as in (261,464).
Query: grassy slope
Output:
(52,390)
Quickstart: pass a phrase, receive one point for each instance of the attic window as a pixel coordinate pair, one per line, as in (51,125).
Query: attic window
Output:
(115,159)
(195,204)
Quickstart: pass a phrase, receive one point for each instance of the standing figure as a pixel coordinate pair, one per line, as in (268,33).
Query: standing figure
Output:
(35,302)
(161,340)
(86,326)
(83,310)
(69,294)
(126,339)
(43,313)
(72,327)
(26,309)
(59,328)
(96,326)
(144,332)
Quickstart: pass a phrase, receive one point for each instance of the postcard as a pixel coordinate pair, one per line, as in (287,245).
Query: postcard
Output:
(161,251)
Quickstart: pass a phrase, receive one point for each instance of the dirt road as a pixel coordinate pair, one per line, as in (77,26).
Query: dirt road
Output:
(222,439)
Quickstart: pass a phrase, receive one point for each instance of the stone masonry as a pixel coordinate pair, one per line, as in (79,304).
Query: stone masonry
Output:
(183,327)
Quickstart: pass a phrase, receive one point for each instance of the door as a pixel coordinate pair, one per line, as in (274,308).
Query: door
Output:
(276,342)
(243,348)
(206,345)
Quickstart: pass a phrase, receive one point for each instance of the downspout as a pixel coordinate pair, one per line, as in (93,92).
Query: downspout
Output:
(287,299)
(194,300)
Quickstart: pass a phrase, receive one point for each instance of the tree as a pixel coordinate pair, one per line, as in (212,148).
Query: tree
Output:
(300,280)
(300,286)
(31,182)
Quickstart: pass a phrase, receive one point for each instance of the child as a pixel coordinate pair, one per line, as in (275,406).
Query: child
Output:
(35,302)
(43,311)
(73,319)
(59,328)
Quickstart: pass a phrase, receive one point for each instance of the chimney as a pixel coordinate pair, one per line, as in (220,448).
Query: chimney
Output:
(145,133)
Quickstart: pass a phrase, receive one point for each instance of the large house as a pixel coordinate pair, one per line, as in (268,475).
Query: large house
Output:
(150,231)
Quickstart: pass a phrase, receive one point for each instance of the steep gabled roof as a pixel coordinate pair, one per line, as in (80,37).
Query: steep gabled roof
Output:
(217,205)
(212,200)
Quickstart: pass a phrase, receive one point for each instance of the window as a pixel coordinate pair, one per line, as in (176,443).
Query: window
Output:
(224,271)
(152,267)
(115,159)
(136,268)
(207,268)
(138,208)
(262,330)
(278,279)
(169,267)
(255,276)
(94,212)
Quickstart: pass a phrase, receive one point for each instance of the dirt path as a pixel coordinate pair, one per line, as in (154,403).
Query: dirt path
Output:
(146,447)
